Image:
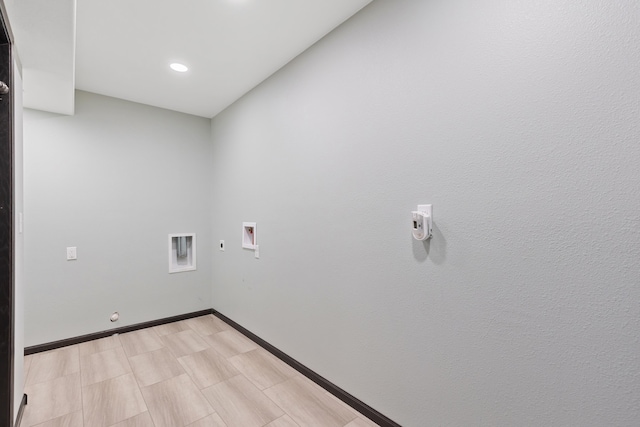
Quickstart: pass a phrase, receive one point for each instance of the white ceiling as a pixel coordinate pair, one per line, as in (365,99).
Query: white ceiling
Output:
(123,48)
(44,33)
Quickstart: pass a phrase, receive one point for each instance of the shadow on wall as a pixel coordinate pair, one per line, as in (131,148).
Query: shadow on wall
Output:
(434,248)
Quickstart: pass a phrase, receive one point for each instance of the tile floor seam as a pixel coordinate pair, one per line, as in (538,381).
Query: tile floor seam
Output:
(281,408)
(181,362)
(139,388)
(26,377)
(276,403)
(43,356)
(185,372)
(200,419)
(107,379)
(52,379)
(82,399)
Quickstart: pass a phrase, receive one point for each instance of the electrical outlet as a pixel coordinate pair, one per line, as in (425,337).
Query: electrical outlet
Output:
(72,253)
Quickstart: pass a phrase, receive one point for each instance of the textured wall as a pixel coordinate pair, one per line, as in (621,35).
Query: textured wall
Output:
(519,122)
(113,180)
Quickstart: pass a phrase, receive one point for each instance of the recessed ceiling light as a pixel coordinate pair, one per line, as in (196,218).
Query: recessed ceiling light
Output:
(181,68)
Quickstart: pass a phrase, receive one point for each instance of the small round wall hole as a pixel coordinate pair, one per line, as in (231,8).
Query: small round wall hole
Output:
(115,316)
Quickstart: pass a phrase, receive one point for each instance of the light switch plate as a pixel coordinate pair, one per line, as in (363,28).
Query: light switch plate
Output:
(72,253)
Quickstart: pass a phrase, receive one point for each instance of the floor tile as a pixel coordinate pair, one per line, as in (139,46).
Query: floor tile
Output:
(73,419)
(27,365)
(99,345)
(262,368)
(212,420)
(142,341)
(102,366)
(142,420)
(193,373)
(230,342)
(53,364)
(171,328)
(285,421)
(361,422)
(207,325)
(155,366)
(111,401)
(207,367)
(176,402)
(308,405)
(340,402)
(52,399)
(240,403)
(185,342)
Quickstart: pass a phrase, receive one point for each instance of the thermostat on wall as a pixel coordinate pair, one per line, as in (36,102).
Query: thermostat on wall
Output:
(422,222)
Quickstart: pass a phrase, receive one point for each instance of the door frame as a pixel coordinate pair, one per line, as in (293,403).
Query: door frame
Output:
(7,244)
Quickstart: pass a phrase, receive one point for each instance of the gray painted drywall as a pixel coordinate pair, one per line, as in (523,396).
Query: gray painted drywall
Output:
(18,238)
(518,121)
(114,180)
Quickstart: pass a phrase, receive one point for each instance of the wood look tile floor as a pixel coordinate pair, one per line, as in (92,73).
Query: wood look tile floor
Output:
(194,373)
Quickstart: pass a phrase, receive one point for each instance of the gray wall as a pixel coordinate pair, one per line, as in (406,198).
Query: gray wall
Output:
(113,180)
(519,122)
